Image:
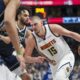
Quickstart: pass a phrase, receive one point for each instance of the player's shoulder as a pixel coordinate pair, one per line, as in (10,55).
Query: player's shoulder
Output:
(54,25)
(30,36)
(28,33)
(31,39)
(55,28)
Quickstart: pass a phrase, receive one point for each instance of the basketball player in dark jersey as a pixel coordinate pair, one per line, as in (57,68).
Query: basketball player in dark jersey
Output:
(7,19)
(10,60)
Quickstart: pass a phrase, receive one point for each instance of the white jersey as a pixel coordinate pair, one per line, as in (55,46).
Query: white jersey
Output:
(53,47)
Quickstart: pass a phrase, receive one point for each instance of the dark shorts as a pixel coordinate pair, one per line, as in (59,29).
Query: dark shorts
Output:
(11,62)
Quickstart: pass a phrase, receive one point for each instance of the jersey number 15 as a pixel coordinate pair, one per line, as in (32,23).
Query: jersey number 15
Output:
(52,51)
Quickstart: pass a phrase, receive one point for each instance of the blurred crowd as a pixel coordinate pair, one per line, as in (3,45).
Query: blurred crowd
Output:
(40,71)
(43,72)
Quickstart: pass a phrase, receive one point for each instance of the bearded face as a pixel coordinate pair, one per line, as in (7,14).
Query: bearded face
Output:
(24,17)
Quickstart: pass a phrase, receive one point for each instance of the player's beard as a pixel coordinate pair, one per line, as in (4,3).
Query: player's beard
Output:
(23,22)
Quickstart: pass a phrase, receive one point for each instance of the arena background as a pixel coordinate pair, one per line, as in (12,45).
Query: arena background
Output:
(65,13)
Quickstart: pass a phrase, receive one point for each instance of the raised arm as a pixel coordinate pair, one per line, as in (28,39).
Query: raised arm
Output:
(10,24)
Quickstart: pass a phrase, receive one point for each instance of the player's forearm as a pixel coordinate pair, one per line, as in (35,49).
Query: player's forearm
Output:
(75,36)
(30,59)
(10,24)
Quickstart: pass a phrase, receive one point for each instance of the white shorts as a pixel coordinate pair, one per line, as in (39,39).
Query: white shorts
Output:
(62,70)
(6,74)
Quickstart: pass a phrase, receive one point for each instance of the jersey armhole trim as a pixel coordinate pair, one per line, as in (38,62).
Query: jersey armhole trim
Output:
(35,41)
(52,32)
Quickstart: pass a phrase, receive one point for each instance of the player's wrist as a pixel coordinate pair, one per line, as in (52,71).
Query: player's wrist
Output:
(19,52)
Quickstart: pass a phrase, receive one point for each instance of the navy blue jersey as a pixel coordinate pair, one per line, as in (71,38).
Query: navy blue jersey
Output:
(6,51)
(11,62)
(22,34)
(2,8)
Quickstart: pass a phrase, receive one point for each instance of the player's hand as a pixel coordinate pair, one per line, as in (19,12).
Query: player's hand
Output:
(53,62)
(40,59)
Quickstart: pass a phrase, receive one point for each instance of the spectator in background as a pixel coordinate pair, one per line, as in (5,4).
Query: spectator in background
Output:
(48,73)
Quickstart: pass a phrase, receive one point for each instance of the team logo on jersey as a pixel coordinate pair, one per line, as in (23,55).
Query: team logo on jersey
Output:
(67,69)
(48,44)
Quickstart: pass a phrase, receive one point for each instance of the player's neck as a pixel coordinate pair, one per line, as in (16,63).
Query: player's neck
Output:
(20,25)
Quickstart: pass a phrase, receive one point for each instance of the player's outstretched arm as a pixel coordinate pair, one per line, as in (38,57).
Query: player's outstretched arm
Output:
(62,31)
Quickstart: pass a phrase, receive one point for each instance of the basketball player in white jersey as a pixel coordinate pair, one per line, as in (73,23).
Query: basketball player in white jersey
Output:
(49,42)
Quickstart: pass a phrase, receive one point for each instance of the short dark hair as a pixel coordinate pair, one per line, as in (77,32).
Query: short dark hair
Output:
(20,9)
(40,15)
